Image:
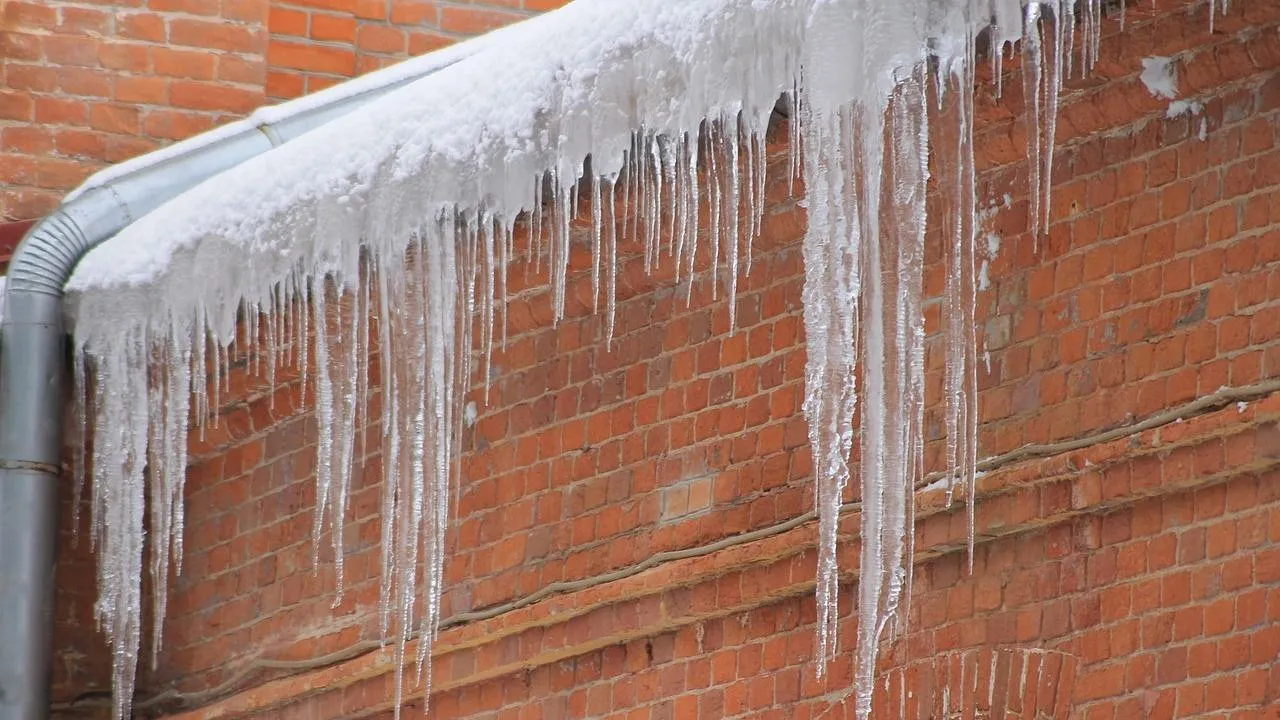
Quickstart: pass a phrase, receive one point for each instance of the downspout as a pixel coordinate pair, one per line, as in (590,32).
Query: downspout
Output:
(33,349)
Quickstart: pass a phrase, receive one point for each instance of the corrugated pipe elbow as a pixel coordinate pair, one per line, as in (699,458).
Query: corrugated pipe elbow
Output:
(48,254)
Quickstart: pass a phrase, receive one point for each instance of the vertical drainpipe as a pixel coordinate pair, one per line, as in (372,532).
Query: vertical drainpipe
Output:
(32,368)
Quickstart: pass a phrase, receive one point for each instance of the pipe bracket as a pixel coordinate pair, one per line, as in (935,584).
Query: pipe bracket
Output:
(30,465)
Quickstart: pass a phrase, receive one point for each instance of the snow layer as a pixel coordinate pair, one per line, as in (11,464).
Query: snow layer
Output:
(404,211)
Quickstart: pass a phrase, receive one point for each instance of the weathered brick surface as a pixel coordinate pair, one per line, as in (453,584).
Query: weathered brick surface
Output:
(1059,566)
(1150,558)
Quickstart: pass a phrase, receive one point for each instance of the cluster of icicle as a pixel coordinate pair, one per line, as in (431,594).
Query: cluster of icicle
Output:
(387,253)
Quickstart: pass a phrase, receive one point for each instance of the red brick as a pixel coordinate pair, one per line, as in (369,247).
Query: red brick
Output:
(127,56)
(371,9)
(213,96)
(333,27)
(16,106)
(70,50)
(59,174)
(313,58)
(121,119)
(283,21)
(172,125)
(55,111)
(29,16)
(194,65)
(284,85)
(189,7)
(81,144)
(247,11)
(29,77)
(84,20)
(219,35)
(84,82)
(376,38)
(413,12)
(142,90)
(473,21)
(26,140)
(141,26)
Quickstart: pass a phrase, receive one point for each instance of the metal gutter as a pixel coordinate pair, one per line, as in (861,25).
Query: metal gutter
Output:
(33,351)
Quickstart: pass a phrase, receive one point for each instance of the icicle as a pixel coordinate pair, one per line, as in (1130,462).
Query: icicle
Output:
(910,167)
(633,183)
(832,270)
(273,344)
(611,274)
(733,249)
(684,194)
(670,151)
(361,349)
(486,239)
(715,199)
(172,473)
(597,231)
(533,255)
(794,135)
(119,456)
(960,381)
(1032,83)
(502,299)
(200,369)
(390,438)
(160,515)
(302,338)
(694,218)
(1053,86)
(653,207)
(326,425)
(760,157)
(81,409)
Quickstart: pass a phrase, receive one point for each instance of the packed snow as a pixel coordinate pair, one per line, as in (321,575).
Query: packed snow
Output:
(1183,107)
(405,210)
(1160,75)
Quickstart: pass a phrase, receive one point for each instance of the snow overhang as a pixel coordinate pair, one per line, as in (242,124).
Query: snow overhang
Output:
(478,132)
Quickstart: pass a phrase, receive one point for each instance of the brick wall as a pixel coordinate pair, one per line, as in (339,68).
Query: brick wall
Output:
(648,485)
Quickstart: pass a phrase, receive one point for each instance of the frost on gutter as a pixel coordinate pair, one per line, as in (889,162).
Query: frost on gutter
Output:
(406,210)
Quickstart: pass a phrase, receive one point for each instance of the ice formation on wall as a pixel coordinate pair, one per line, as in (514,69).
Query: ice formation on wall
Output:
(406,212)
